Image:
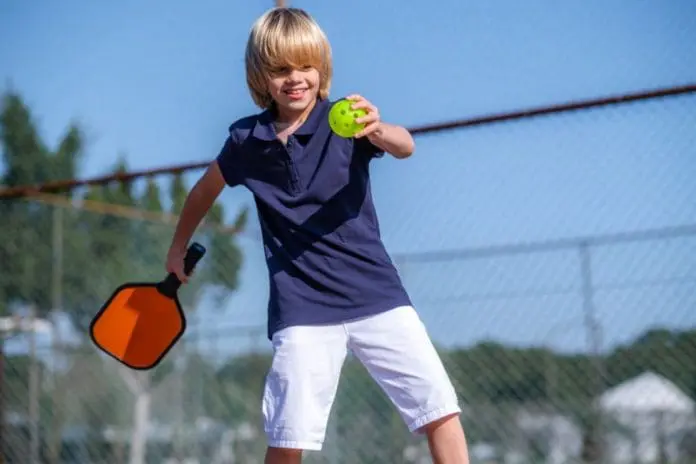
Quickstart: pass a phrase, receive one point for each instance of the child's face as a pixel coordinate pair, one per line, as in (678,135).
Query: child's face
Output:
(294,90)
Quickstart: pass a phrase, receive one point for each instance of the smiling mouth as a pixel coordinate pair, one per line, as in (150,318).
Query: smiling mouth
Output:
(295,92)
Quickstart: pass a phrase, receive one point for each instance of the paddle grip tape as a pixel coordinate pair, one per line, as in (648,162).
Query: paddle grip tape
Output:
(193,255)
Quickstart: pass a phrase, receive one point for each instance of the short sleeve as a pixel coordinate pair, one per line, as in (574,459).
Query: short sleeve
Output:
(229,161)
(367,148)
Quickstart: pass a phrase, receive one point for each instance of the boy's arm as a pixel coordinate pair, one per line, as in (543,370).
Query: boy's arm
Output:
(393,139)
(197,204)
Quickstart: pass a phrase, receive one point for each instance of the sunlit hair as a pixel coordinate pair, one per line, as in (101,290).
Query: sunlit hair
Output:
(285,38)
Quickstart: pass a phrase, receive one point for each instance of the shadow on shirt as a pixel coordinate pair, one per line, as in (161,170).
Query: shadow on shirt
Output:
(311,235)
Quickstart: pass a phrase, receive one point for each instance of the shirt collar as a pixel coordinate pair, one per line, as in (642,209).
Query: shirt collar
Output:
(264,130)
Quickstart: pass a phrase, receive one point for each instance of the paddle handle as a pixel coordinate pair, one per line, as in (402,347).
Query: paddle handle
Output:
(171,284)
(193,255)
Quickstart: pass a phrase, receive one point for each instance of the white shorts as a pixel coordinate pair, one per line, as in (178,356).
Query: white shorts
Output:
(393,346)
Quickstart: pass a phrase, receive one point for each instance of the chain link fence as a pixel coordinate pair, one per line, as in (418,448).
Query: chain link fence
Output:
(573,350)
(578,349)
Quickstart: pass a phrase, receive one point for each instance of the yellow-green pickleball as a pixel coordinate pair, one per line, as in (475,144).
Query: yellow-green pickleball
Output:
(342,119)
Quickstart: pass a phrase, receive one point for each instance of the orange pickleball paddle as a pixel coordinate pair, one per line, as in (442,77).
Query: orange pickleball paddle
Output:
(142,321)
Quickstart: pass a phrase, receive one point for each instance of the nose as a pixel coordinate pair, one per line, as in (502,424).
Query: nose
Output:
(294,76)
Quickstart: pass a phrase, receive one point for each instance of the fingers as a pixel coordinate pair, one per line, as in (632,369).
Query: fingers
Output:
(371,119)
(181,275)
(362,103)
(365,105)
(177,270)
(369,129)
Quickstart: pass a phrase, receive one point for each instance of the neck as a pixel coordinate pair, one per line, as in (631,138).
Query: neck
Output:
(291,118)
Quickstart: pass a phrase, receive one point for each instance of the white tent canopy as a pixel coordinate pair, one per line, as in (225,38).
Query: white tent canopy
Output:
(646,393)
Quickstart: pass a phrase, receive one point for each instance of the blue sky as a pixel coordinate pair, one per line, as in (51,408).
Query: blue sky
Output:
(159,82)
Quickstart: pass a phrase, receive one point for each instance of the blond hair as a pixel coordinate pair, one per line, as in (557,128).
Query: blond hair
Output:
(282,38)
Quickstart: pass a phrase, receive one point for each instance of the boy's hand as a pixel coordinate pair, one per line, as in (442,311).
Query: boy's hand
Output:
(391,138)
(371,120)
(175,263)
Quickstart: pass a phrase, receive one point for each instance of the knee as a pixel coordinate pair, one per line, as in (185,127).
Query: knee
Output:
(283,456)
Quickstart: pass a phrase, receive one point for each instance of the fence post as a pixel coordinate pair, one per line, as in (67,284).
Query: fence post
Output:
(595,352)
(2,393)
(55,438)
(34,391)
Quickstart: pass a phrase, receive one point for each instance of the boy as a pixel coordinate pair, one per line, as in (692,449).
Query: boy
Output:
(333,287)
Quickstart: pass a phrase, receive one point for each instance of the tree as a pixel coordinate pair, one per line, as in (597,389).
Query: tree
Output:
(495,383)
(23,248)
(100,250)
(671,354)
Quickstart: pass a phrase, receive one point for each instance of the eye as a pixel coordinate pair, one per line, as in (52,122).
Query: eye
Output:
(279,71)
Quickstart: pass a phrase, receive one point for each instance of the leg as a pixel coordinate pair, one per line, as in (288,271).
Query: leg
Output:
(397,352)
(283,456)
(446,440)
(300,389)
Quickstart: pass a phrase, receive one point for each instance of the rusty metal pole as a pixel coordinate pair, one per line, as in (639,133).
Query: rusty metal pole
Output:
(280,3)
(22,191)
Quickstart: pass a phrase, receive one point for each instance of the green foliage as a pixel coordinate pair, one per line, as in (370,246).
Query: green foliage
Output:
(495,383)
(670,354)
(15,387)
(177,192)
(97,250)
(100,250)
(27,160)
(362,414)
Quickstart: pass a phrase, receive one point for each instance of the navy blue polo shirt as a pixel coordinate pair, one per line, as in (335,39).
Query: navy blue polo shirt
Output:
(325,258)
